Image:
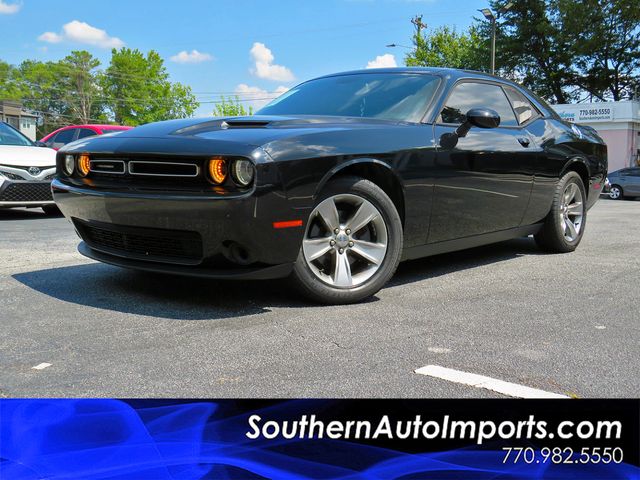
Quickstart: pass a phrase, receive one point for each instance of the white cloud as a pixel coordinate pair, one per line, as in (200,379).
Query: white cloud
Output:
(264,66)
(383,61)
(191,57)
(9,8)
(81,32)
(256,96)
(50,37)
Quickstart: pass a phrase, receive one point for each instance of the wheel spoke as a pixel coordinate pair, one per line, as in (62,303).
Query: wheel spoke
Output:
(329,214)
(342,271)
(315,248)
(569,193)
(575,208)
(365,213)
(372,252)
(572,228)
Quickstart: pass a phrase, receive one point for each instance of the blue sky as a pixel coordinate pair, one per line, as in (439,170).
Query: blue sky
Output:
(251,47)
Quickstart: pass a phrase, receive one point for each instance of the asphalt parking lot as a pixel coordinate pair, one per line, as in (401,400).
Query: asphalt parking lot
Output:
(567,324)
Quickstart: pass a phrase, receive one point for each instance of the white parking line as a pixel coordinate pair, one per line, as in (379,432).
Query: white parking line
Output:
(480,381)
(41,366)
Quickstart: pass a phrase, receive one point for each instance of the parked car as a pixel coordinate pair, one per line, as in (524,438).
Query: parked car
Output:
(26,171)
(336,181)
(71,133)
(625,183)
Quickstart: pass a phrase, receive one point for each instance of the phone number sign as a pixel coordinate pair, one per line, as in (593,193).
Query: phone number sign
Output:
(586,113)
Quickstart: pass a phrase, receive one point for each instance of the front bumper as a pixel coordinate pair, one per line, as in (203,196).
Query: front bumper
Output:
(19,193)
(207,236)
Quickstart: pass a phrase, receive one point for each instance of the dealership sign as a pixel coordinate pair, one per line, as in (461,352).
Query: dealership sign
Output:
(597,112)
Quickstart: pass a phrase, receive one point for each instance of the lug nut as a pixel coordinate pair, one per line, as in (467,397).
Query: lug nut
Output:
(351,244)
(336,231)
(341,250)
(332,242)
(348,232)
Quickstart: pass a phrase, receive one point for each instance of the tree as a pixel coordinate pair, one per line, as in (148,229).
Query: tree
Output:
(445,47)
(79,87)
(137,89)
(607,53)
(10,85)
(568,50)
(230,107)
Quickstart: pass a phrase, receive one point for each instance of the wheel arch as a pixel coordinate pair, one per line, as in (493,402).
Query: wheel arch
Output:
(375,171)
(580,166)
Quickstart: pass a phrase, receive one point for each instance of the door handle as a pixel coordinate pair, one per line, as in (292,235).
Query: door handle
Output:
(524,141)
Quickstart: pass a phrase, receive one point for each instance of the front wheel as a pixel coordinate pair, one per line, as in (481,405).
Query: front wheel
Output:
(565,223)
(352,243)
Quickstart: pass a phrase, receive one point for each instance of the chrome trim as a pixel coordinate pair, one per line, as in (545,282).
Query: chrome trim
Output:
(133,162)
(93,170)
(23,172)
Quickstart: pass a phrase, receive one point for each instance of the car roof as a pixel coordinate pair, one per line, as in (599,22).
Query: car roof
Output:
(453,73)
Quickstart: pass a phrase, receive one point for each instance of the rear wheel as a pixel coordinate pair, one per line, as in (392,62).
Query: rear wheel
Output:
(352,243)
(565,223)
(615,192)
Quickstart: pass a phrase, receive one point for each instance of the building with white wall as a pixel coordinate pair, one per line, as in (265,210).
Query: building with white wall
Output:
(618,123)
(13,114)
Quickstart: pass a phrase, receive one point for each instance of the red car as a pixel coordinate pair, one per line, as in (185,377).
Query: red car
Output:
(68,134)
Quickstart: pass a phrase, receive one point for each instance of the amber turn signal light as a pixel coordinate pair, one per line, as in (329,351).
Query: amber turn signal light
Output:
(217,170)
(84,165)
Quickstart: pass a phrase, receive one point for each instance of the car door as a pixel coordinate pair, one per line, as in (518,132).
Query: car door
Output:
(632,182)
(483,182)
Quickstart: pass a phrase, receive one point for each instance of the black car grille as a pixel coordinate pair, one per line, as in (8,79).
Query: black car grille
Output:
(27,192)
(169,246)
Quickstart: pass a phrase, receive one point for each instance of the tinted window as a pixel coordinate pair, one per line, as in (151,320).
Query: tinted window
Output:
(635,172)
(523,108)
(64,136)
(466,96)
(388,96)
(85,132)
(9,136)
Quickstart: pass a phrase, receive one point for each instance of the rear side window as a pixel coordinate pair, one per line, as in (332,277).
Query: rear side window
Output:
(63,137)
(85,132)
(468,95)
(521,105)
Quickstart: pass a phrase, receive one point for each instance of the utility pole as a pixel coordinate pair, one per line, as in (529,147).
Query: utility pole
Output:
(417,22)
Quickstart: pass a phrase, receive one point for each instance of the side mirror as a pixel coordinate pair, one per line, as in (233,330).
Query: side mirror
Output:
(476,117)
(483,118)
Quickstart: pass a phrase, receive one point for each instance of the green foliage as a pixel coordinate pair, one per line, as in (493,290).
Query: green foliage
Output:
(137,89)
(230,107)
(134,89)
(444,47)
(569,50)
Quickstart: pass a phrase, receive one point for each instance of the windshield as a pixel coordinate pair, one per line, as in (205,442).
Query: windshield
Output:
(388,96)
(10,136)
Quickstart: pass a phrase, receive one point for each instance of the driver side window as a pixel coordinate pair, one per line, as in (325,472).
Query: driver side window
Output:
(468,95)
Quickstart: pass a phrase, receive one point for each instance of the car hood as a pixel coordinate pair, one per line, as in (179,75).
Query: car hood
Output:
(19,156)
(277,135)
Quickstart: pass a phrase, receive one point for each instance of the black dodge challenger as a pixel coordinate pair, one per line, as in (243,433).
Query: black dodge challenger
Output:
(336,181)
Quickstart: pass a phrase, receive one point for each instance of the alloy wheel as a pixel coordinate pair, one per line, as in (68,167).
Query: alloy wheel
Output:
(345,241)
(572,212)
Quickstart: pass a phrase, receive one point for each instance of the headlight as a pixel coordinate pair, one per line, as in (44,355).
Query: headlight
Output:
(242,172)
(84,165)
(69,164)
(217,170)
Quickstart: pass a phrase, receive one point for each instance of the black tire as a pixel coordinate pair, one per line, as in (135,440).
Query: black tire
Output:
(51,211)
(308,283)
(620,194)
(551,237)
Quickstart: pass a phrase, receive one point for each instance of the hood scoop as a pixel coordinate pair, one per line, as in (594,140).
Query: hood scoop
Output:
(226,124)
